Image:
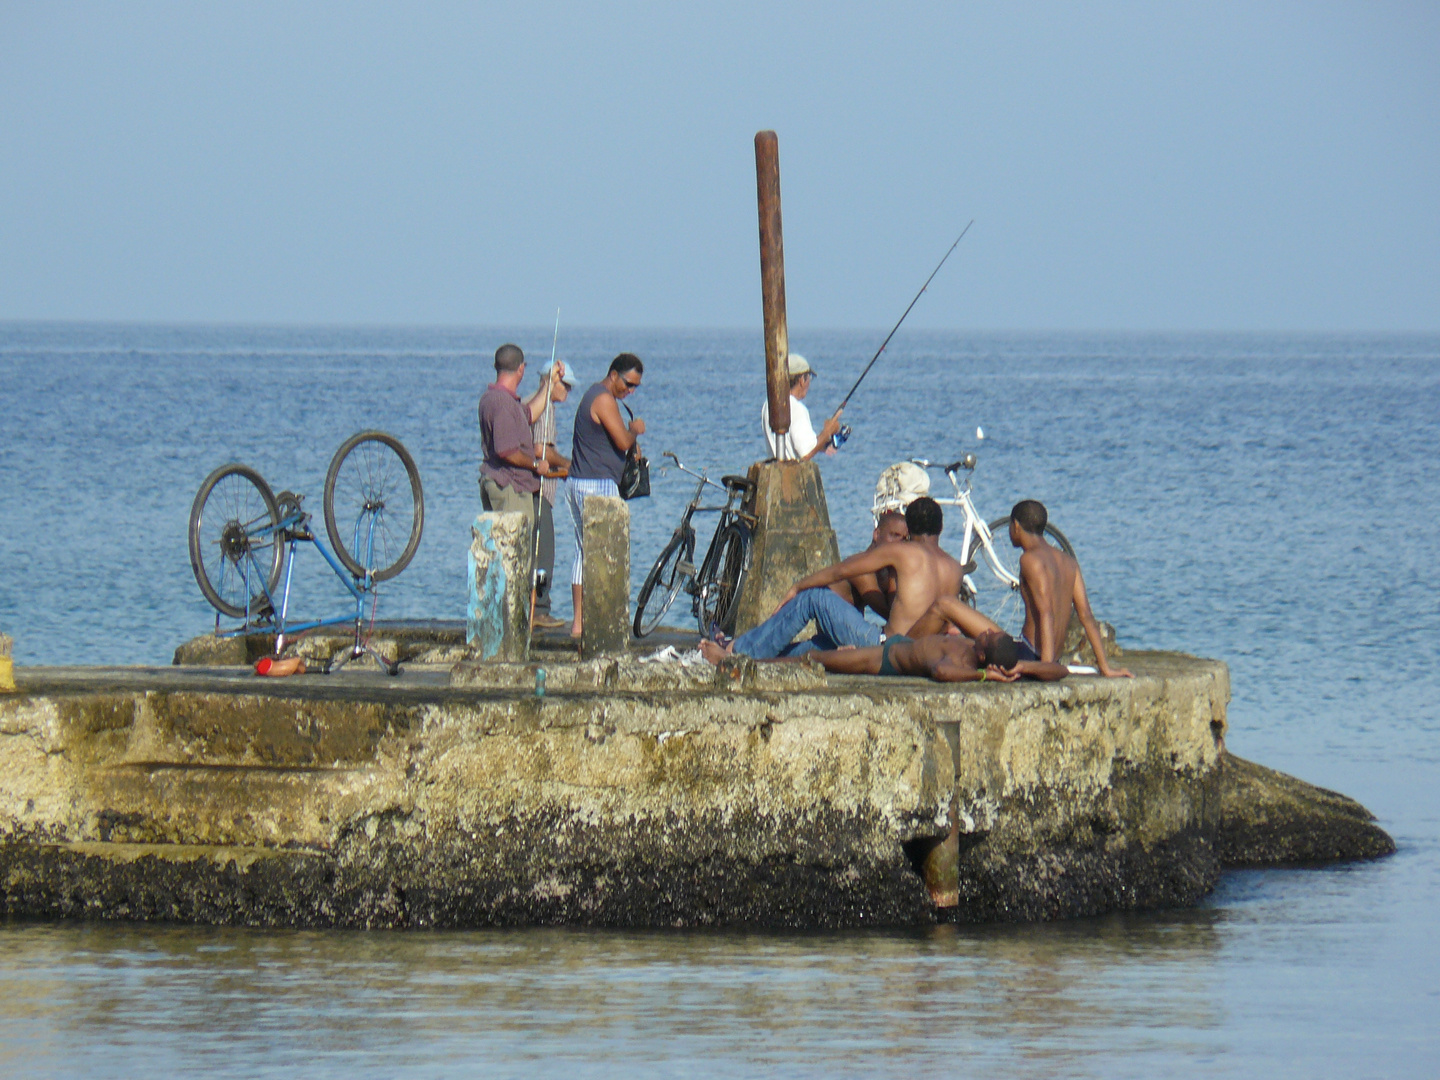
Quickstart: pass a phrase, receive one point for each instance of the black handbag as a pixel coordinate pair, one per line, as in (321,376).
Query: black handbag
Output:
(635,479)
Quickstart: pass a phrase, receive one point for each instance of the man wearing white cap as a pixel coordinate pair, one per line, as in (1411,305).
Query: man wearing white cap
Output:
(540,407)
(800,442)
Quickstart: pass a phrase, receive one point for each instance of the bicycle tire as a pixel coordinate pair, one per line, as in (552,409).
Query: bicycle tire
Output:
(374,470)
(1000,601)
(667,576)
(722,577)
(223,517)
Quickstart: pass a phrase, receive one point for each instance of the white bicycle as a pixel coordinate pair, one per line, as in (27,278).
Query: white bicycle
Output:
(997,595)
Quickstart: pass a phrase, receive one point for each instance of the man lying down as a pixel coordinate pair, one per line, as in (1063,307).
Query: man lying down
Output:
(981,652)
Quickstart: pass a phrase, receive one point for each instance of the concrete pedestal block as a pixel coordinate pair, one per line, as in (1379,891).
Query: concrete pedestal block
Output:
(793,536)
(605,614)
(499,560)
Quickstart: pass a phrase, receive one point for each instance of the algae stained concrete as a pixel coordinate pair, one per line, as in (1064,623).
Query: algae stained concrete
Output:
(500,559)
(632,795)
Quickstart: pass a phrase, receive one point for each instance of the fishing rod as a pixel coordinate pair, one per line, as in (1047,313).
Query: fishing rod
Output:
(890,335)
(535,546)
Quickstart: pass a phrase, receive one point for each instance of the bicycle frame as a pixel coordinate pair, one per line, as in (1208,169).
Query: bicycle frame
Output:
(700,581)
(975,527)
(294,529)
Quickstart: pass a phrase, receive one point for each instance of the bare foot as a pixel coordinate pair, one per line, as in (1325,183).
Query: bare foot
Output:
(715,652)
(575,630)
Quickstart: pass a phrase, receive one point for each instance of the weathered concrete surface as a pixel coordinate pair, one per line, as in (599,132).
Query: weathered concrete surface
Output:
(413,641)
(500,558)
(1271,819)
(793,536)
(662,796)
(605,603)
(7,665)
(1087,795)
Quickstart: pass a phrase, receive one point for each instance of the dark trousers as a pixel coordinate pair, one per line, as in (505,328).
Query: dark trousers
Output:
(547,557)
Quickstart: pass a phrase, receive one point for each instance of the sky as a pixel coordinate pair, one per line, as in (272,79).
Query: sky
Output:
(1205,166)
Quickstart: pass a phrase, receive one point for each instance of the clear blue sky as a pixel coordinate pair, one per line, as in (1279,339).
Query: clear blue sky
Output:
(1129,166)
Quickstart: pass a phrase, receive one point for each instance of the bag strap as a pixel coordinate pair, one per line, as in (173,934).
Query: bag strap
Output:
(633,452)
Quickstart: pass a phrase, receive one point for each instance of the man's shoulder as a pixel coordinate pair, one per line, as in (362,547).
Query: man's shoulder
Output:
(497,397)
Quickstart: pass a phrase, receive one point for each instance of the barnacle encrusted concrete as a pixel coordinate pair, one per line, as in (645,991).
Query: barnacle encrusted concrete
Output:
(631,794)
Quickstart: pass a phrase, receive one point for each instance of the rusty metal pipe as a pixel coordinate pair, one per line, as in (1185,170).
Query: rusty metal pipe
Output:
(772,280)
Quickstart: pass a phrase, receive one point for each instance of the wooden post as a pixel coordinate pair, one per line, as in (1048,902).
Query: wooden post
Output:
(772,280)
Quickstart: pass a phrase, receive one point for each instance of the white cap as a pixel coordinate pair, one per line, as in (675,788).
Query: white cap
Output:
(567,373)
(798,365)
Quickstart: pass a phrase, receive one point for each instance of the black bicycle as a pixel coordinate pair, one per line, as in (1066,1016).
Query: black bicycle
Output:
(716,587)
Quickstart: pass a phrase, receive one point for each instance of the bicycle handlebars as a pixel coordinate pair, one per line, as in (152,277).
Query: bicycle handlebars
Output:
(967,462)
(691,472)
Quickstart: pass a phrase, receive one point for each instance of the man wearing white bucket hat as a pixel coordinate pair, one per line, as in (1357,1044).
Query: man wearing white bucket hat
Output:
(800,443)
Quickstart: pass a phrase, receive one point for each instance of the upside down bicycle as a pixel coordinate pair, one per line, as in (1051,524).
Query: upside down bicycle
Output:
(243,537)
(715,587)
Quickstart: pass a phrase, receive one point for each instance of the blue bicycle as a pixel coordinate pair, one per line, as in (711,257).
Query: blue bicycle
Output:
(243,538)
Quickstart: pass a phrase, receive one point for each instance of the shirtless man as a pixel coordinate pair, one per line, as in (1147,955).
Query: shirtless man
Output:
(876,591)
(991,657)
(923,572)
(1051,584)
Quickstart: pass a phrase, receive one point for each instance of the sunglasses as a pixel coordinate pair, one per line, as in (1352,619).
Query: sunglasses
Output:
(631,385)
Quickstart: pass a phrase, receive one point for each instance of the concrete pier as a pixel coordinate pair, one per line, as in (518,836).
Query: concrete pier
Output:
(632,794)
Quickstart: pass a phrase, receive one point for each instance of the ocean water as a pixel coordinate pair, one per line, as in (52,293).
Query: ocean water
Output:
(1264,499)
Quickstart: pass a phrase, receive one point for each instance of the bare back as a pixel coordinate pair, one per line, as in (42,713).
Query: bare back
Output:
(924,572)
(1047,583)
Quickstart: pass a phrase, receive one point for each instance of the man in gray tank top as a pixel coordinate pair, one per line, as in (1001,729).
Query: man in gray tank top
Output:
(597,458)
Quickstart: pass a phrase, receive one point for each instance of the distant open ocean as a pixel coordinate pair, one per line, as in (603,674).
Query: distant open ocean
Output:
(1270,500)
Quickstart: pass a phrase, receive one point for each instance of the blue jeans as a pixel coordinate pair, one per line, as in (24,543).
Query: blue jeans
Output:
(837,623)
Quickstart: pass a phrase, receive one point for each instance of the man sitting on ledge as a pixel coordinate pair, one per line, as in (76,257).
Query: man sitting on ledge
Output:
(923,572)
(1052,585)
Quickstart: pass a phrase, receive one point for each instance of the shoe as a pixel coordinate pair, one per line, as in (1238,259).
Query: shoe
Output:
(547,622)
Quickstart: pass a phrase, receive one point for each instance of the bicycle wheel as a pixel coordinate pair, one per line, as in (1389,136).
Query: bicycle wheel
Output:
(235,550)
(374,507)
(663,583)
(995,596)
(722,577)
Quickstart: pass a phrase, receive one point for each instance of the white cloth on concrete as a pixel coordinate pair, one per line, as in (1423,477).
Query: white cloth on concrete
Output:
(798,441)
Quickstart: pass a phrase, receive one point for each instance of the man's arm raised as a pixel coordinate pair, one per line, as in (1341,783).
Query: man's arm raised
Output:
(1092,631)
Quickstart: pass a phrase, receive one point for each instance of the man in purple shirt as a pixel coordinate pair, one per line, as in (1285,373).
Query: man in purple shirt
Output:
(509,472)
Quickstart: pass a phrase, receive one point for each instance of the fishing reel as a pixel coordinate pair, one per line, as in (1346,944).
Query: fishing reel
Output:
(841,435)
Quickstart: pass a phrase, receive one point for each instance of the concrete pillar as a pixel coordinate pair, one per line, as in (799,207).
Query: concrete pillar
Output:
(499,561)
(7,665)
(605,614)
(793,536)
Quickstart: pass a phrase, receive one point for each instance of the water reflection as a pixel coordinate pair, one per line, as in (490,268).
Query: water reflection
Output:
(251,1002)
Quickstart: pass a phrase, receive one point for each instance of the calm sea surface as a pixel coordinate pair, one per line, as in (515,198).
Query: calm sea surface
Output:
(1268,500)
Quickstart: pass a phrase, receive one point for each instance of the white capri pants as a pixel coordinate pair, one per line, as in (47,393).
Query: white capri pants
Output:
(576,491)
